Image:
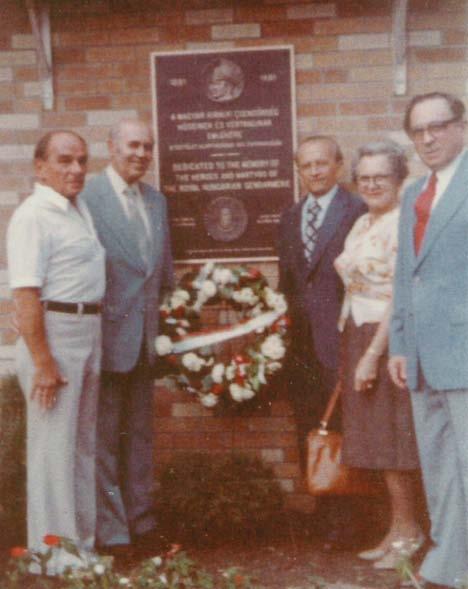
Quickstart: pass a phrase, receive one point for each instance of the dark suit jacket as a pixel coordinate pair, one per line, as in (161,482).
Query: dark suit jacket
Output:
(314,291)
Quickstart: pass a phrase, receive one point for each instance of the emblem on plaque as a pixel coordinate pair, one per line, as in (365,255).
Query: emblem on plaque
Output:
(225,218)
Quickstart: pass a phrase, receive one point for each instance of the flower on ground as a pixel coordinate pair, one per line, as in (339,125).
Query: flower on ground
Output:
(223,276)
(230,372)
(239,393)
(51,540)
(209,400)
(124,581)
(217,373)
(273,347)
(192,362)
(18,551)
(163,345)
(245,295)
(157,561)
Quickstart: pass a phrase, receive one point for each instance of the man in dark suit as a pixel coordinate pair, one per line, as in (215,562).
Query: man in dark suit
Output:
(429,327)
(311,236)
(131,222)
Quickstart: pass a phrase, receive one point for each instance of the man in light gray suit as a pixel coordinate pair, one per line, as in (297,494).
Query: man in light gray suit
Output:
(131,221)
(429,329)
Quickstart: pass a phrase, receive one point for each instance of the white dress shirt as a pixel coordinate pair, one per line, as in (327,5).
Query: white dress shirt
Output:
(52,245)
(119,185)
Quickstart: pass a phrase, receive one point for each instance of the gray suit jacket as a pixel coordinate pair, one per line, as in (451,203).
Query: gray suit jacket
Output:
(132,298)
(430,318)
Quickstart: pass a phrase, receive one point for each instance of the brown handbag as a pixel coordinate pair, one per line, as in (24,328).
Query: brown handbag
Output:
(325,473)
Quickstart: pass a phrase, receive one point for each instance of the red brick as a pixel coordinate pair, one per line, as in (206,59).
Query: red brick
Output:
(88,103)
(434,20)
(21,136)
(73,87)
(249,13)
(322,109)
(52,120)
(27,105)
(80,72)
(264,440)
(349,26)
(281,408)
(334,76)
(199,440)
(314,44)
(6,106)
(308,77)
(138,101)
(444,54)
(26,74)
(268,424)
(189,34)
(68,55)
(384,124)
(111,86)
(454,37)
(137,36)
(110,54)
(363,108)
(353,8)
(84,38)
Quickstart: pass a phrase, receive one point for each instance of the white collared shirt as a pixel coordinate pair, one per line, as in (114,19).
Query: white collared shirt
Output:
(52,245)
(444,177)
(119,185)
(324,202)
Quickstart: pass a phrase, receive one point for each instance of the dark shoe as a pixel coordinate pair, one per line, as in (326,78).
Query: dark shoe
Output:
(151,543)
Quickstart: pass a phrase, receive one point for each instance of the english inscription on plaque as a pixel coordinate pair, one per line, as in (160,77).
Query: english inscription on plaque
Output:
(224,126)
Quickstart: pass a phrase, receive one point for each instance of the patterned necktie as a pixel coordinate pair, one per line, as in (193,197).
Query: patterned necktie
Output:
(137,224)
(422,209)
(311,228)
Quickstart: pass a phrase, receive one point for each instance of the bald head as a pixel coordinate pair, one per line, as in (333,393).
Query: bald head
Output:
(131,149)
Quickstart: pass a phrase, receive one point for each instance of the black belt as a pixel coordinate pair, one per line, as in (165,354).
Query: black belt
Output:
(79,308)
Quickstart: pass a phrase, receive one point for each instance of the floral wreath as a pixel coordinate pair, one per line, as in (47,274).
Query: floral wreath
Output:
(187,348)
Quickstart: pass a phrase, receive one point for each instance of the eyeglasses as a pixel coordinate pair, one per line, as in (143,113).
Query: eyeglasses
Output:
(379,179)
(434,129)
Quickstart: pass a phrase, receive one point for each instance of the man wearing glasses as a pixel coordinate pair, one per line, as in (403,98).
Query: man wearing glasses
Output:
(429,329)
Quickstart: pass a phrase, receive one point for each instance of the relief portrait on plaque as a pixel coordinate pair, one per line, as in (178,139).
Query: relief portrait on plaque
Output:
(224,80)
(225,218)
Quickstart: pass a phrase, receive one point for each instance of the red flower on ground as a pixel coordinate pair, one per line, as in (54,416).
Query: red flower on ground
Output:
(18,551)
(51,540)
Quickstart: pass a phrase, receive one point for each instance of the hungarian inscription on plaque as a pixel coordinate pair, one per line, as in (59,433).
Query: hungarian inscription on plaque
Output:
(224,125)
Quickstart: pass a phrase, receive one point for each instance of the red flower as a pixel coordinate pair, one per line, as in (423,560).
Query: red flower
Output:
(240,380)
(254,273)
(164,314)
(238,580)
(173,550)
(172,359)
(179,311)
(51,540)
(240,359)
(18,552)
(217,389)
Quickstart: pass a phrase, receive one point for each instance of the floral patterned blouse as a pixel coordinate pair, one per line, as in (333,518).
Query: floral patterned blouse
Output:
(366,267)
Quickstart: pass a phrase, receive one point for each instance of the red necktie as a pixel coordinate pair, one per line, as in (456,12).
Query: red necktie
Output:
(422,209)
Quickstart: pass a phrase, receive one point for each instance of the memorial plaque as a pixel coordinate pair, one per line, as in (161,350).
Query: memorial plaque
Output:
(224,126)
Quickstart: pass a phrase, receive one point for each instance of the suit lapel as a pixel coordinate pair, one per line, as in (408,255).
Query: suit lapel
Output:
(153,214)
(452,199)
(334,216)
(297,236)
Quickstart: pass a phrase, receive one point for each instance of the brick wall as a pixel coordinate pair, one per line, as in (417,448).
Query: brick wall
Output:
(101,49)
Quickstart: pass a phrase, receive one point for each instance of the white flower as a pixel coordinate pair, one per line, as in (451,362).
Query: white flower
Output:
(208,268)
(163,578)
(245,295)
(237,392)
(273,347)
(275,300)
(273,367)
(208,288)
(209,400)
(163,345)
(230,372)
(217,373)
(99,569)
(124,581)
(192,362)
(247,393)
(157,561)
(182,294)
(223,276)
(179,298)
(181,331)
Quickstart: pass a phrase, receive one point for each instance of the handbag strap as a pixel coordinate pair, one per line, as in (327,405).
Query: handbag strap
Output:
(330,407)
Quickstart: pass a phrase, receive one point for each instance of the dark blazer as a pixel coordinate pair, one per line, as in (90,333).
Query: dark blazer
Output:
(314,291)
(132,299)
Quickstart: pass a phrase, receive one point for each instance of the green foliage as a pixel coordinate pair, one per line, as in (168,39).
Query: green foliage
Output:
(12,460)
(210,500)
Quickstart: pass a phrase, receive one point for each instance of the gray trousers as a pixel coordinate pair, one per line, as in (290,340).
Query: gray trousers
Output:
(125,478)
(61,497)
(441,419)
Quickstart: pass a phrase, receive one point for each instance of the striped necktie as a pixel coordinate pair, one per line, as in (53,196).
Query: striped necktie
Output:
(311,227)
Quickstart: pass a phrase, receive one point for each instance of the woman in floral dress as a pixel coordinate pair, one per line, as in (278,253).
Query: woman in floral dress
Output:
(377,421)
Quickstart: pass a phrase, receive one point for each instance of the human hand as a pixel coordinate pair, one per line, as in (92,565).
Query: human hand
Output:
(46,383)
(366,373)
(397,370)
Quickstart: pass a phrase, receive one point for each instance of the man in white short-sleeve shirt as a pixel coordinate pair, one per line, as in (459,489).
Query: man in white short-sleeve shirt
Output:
(57,275)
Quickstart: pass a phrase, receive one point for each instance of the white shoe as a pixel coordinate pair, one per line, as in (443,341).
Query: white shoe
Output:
(401,548)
